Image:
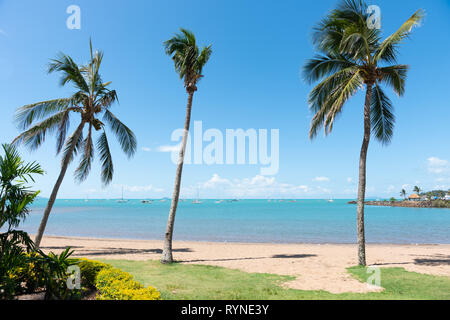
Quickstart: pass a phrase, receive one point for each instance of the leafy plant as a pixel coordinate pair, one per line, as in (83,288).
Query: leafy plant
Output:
(115,284)
(15,198)
(52,269)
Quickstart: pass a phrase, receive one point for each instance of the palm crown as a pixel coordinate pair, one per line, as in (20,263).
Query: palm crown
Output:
(188,58)
(92,99)
(353,55)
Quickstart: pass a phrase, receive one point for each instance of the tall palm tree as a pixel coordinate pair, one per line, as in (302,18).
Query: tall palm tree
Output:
(403,194)
(355,57)
(189,62)
(91,99)
(417,190)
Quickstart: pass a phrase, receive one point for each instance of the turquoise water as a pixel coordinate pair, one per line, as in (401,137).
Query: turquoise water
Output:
(305,221)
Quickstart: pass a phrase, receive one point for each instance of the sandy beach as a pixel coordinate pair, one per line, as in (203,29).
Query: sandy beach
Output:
(315,266)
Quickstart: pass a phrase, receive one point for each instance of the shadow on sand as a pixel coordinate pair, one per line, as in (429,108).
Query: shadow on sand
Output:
(123,251)
(277,256)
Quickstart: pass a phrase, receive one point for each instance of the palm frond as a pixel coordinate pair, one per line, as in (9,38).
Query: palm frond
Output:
(324,65)
(62,131)
(124,135)
(83,169)
(73,145)
(382,118)
(27,114)
(107,99)
(203,58)
(387,50)
(395,77)
(71,73)
(12,166)
(340,96)
(35,136)
(328,97)
(105,158)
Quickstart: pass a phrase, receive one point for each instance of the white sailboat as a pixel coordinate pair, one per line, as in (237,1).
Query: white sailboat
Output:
(122,200)
(197,201)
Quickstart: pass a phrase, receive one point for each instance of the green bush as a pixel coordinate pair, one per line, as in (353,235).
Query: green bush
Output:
(89,270)
(115,284)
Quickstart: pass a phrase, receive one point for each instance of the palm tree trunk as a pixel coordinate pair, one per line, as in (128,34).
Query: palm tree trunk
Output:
(167,256)
(52,198)
(362,180)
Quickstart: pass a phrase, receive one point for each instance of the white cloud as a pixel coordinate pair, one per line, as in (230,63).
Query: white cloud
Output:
(146,149)
(390,188)
(216,181)
(168,148)
(350,180)
(436,165)
(321,179)
(256,187)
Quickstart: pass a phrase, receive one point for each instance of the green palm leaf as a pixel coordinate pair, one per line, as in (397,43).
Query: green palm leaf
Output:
(105,158)
(387,48)
(382,116)
(124,135)
(26,115)
(83,169)
(35,136)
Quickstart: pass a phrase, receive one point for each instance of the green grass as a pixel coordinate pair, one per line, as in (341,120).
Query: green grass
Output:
(180,281)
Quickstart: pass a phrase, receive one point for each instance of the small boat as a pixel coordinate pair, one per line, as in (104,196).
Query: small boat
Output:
(197,201)
(147,201)
(122,200)
(330,200)
(219,201)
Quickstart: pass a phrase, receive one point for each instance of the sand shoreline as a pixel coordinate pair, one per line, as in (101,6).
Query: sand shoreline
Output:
(315,266)
(243,243)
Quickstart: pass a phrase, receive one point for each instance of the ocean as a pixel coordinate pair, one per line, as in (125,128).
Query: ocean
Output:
(303,221)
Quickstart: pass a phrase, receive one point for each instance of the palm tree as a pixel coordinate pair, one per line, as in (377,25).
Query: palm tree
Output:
(189,62)
(403,194)
(91,99)
(354,57)
(417,190)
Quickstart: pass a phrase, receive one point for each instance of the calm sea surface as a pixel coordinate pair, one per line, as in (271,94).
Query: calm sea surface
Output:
(308,221)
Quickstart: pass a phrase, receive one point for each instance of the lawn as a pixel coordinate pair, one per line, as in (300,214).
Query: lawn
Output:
(181,281)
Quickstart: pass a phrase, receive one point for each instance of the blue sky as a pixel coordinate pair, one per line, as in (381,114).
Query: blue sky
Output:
(252,81)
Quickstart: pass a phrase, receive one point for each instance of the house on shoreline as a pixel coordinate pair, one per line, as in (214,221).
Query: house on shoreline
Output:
(414,197)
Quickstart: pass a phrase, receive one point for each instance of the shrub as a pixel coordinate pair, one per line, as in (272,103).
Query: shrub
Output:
(115,284)
(15,198)
(89,270)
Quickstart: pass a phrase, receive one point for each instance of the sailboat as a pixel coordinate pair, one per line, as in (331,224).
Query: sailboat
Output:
(197,201)
(122,200)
